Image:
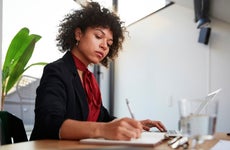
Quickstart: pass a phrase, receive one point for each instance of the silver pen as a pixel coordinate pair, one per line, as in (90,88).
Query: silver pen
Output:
(130,111)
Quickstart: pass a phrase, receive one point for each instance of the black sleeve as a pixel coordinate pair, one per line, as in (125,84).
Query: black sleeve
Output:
(105,116)
(50,105)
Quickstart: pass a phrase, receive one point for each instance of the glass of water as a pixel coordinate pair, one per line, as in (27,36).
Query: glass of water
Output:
(198,119)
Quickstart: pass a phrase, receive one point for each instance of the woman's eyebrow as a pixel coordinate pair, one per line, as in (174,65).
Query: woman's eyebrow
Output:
(98,29)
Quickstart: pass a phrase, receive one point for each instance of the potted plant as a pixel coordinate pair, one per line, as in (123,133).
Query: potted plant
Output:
(15,64)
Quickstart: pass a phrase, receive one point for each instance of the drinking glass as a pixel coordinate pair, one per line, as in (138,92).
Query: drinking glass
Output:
(198,119)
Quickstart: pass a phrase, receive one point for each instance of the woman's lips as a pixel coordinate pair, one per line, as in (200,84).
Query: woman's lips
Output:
(100,54)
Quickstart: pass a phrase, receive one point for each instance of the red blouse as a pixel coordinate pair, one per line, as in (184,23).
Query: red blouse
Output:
(92,90)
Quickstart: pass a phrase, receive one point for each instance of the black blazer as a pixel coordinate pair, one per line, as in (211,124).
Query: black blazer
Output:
(60,96)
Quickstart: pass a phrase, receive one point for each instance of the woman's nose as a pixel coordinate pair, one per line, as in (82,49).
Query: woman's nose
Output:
(104,44)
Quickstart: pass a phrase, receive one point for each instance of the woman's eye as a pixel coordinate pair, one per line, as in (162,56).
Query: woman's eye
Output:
(109,45)
(98,36)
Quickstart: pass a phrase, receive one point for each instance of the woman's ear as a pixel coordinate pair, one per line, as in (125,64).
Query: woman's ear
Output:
(78,34)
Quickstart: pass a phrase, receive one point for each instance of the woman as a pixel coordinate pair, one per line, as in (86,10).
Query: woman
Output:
(68,102)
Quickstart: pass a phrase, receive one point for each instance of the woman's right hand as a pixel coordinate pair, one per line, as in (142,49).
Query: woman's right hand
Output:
(121,129)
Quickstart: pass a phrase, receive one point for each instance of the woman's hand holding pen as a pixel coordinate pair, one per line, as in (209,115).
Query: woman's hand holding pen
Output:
(147,124)
(122,129)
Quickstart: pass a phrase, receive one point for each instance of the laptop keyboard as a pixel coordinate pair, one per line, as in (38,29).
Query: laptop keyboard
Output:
(172,132)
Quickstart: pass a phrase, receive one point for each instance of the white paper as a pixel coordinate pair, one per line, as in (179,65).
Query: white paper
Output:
(222,144)
(147,138)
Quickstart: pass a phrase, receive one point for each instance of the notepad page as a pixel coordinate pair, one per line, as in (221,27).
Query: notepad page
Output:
(147,138)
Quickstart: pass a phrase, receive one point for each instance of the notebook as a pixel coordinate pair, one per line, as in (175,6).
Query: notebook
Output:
(146,139)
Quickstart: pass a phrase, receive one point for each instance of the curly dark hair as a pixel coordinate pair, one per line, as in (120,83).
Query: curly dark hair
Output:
(91,15)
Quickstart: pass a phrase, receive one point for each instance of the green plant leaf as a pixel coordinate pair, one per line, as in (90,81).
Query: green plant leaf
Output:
(18,67)
(35,64)
(14,51)
(18,54)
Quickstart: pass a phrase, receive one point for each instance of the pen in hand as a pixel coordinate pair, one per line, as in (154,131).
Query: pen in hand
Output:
(130,111)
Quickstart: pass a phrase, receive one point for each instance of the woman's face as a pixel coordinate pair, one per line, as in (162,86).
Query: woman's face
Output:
(93,45)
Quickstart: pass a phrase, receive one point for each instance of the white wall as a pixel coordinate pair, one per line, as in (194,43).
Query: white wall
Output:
(220,70)
(162,62)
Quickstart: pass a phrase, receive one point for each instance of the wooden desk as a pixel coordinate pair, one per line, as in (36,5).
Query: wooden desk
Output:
(67,145)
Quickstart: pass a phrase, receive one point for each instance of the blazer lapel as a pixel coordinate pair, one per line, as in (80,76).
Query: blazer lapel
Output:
(78,88)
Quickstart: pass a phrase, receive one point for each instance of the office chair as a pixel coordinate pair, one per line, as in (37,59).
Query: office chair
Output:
(11,129)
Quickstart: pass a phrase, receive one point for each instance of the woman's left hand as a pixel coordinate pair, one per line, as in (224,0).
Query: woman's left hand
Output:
(147,124)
